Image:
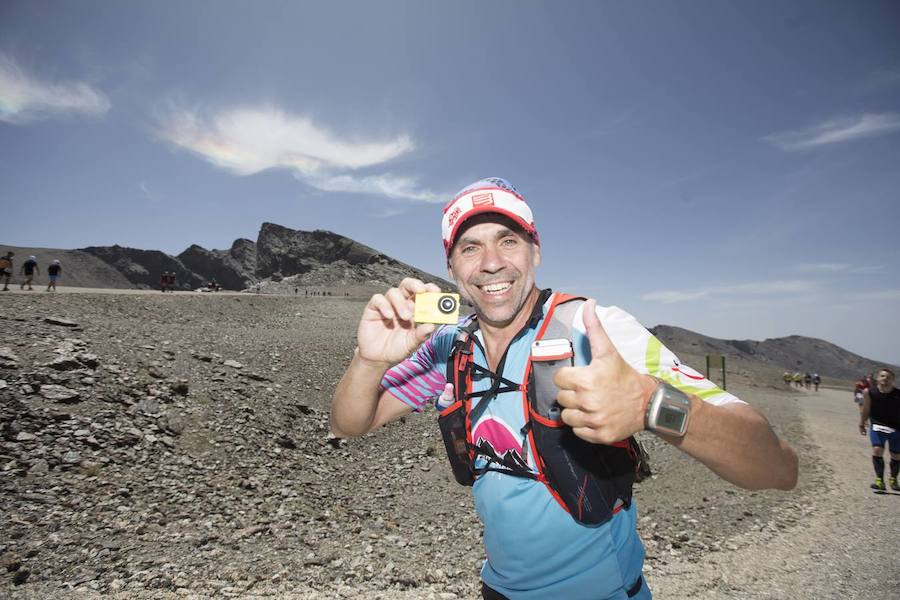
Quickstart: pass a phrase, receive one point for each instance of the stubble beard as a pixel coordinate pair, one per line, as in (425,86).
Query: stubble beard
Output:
(503,315)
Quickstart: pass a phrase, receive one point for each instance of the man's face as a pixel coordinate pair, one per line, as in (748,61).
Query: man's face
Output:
(885,379)
(493,263)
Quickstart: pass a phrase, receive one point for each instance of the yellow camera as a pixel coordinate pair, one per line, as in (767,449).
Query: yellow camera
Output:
(437,307)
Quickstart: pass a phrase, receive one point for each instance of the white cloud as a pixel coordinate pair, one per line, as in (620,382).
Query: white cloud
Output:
(385,185)
(745,289)
(878,295)
(837,130)
(821,267)
(246,141)
(24,99)
(146,192)
(837,268)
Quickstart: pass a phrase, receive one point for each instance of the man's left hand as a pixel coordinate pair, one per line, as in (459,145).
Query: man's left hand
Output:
(605,401)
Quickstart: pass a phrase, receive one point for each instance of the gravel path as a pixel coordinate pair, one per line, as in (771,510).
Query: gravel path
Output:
(846,547)
(229,486)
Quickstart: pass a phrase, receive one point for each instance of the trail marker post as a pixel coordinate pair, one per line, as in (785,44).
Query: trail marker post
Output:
(711,359)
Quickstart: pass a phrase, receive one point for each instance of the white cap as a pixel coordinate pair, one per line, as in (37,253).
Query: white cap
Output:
(491,195)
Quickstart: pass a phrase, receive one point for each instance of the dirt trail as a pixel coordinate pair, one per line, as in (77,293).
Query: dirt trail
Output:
(846,547)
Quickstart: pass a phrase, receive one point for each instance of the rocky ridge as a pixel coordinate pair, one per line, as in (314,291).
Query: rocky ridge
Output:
(321,260)
(793,353)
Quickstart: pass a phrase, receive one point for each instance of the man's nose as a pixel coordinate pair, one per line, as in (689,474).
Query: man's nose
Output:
(491,261)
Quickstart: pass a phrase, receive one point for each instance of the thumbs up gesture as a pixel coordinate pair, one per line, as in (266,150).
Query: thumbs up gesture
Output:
(604,402)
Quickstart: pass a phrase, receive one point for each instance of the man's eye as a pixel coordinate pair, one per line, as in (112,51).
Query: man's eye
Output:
(467,250)
(510,242)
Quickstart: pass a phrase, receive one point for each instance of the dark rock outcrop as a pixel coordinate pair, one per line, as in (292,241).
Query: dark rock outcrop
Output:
(282,259)
(230,271)
(144,267)
(323,257)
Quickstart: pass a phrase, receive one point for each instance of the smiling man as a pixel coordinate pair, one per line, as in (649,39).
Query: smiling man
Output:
(540,395)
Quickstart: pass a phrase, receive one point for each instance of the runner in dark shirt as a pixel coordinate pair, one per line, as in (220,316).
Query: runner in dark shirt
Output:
(54,272)
(881,406)
(29,270)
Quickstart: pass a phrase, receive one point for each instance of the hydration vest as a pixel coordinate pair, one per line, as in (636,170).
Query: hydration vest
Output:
(590,481)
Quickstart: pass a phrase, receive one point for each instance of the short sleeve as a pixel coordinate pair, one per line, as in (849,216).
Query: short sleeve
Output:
(646,354)
(420,379)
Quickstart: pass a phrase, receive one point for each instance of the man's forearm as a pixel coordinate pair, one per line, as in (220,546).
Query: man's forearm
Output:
(355,398)
(738,444)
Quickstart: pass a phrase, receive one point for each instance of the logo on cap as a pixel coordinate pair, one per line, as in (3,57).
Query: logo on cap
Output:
(483,199)
(454,215)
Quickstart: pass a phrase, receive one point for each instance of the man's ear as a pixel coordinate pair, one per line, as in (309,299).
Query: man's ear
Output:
(450,271)
(536,259)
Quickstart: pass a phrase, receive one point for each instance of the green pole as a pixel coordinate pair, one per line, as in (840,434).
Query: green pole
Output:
(723,373)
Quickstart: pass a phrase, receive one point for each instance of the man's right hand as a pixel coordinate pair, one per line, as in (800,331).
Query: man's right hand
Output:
(387,333)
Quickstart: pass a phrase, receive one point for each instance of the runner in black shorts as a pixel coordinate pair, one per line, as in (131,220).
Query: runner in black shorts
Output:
(881,406)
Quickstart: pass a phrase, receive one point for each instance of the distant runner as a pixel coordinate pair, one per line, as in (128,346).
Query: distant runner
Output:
(859,393)
(816,381)
(29,269)
(54,272)
(881,406)
(6,269)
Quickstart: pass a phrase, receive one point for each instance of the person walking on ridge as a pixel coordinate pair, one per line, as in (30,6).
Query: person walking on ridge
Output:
(6,268)
(54,272)
(29,270)
(881,409)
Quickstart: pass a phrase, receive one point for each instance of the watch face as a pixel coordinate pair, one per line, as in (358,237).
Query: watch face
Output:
(670,418)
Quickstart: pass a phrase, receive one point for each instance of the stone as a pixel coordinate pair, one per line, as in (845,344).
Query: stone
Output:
(71,458)
(11,562)
(8,359)
(286,442)
(92,361)
(149,406)
(59,393)
(64,363)
(21,576)
(233,364)
(60,321)
(24,436)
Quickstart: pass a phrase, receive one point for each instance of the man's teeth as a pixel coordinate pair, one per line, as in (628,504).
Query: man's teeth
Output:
(496,288)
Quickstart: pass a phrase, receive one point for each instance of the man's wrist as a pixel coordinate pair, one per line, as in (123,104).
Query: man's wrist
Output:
(369,364)
(649,384)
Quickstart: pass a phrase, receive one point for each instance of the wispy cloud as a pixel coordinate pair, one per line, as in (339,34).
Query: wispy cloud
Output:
(391,186)
(837,130)
(146,192)
(245,141)
(837,268)
(760,288)
(24,99)
(878,295)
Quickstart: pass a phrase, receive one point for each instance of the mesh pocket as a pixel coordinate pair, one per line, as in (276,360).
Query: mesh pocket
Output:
(453,429)
(590,479)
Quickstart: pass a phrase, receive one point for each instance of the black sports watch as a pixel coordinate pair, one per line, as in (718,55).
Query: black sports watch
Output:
(668,410)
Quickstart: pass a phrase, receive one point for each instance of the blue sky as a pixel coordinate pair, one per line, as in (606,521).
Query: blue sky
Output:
(729,168)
